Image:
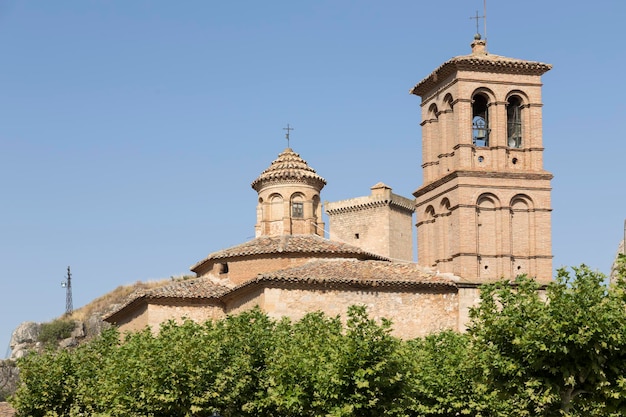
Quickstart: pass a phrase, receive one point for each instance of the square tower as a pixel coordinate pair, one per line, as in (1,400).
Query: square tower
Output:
(483,212)
(380,223)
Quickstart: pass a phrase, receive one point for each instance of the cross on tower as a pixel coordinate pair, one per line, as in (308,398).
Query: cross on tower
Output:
(288,129)
(484,17)
(477,17)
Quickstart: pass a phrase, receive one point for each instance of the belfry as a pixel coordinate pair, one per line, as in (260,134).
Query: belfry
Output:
(483,211)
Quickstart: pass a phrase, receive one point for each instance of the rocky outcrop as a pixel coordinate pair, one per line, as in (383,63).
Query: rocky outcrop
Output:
(9,378)
(24,338)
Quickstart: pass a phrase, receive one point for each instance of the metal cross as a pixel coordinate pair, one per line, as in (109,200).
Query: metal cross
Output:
(477,17)
(288,129)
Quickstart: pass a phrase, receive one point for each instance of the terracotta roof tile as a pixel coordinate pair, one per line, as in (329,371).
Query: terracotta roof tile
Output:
(191,288)
(304,244)
(289,166)
(368,273)
(482,63)
(197,288)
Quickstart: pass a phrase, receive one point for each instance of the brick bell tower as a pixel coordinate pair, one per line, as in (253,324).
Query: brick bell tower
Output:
(483,212)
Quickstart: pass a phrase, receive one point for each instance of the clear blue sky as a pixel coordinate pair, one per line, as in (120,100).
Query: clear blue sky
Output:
(130,130)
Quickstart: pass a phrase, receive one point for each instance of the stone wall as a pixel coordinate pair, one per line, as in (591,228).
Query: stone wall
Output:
(196,310)
(381,223)
(413,313)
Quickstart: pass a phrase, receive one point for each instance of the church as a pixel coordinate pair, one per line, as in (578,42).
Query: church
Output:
(482,214)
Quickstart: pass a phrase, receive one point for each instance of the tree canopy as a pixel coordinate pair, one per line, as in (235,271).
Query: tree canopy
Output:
(529,351)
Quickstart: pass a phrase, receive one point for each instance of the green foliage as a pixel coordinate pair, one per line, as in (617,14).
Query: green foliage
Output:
(562,356)
(444,378)
(318,367)
(56,330)
(558,351)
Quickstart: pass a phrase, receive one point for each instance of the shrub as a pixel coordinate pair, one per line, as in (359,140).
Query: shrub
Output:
(56,330)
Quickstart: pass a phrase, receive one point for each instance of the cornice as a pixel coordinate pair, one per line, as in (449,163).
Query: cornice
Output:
(482,174)
(350,206)
(479,63)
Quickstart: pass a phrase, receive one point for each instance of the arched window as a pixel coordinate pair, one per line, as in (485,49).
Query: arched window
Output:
(297,206)
(514,122)
(480,121)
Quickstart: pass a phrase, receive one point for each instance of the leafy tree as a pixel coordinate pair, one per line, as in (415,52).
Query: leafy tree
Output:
(559,355)
(529,351)
(321,368)
(445,378)
(47,384)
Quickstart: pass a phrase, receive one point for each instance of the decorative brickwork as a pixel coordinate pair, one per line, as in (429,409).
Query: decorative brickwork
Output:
(483,212)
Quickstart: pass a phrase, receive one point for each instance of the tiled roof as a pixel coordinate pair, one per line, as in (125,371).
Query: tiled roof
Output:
(285,244)
(326,272)
(190,288)
(289,166)
(368,273)
(482,62)
(197,288)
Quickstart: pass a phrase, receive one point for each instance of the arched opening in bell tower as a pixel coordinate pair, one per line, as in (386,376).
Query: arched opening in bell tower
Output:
(514,122)
(480,120)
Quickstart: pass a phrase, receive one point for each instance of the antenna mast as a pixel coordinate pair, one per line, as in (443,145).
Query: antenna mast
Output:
(485,18)
(67,284)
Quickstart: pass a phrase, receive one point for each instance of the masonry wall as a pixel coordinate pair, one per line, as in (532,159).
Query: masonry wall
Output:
(245,301)
(134,321)
(485,227)
(375,226)
(412,314)
(242,270)
(198,311)
(367,228)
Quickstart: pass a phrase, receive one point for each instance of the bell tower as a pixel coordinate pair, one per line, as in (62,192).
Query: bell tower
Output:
(483,211)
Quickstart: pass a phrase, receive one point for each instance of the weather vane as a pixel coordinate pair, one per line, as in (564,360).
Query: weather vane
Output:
(288,129)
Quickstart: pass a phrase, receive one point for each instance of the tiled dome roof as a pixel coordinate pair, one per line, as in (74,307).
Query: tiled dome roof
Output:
(289,244)
(289,166)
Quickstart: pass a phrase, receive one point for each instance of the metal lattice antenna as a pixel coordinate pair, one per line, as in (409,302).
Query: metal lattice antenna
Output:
(67,284)
(288,129)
